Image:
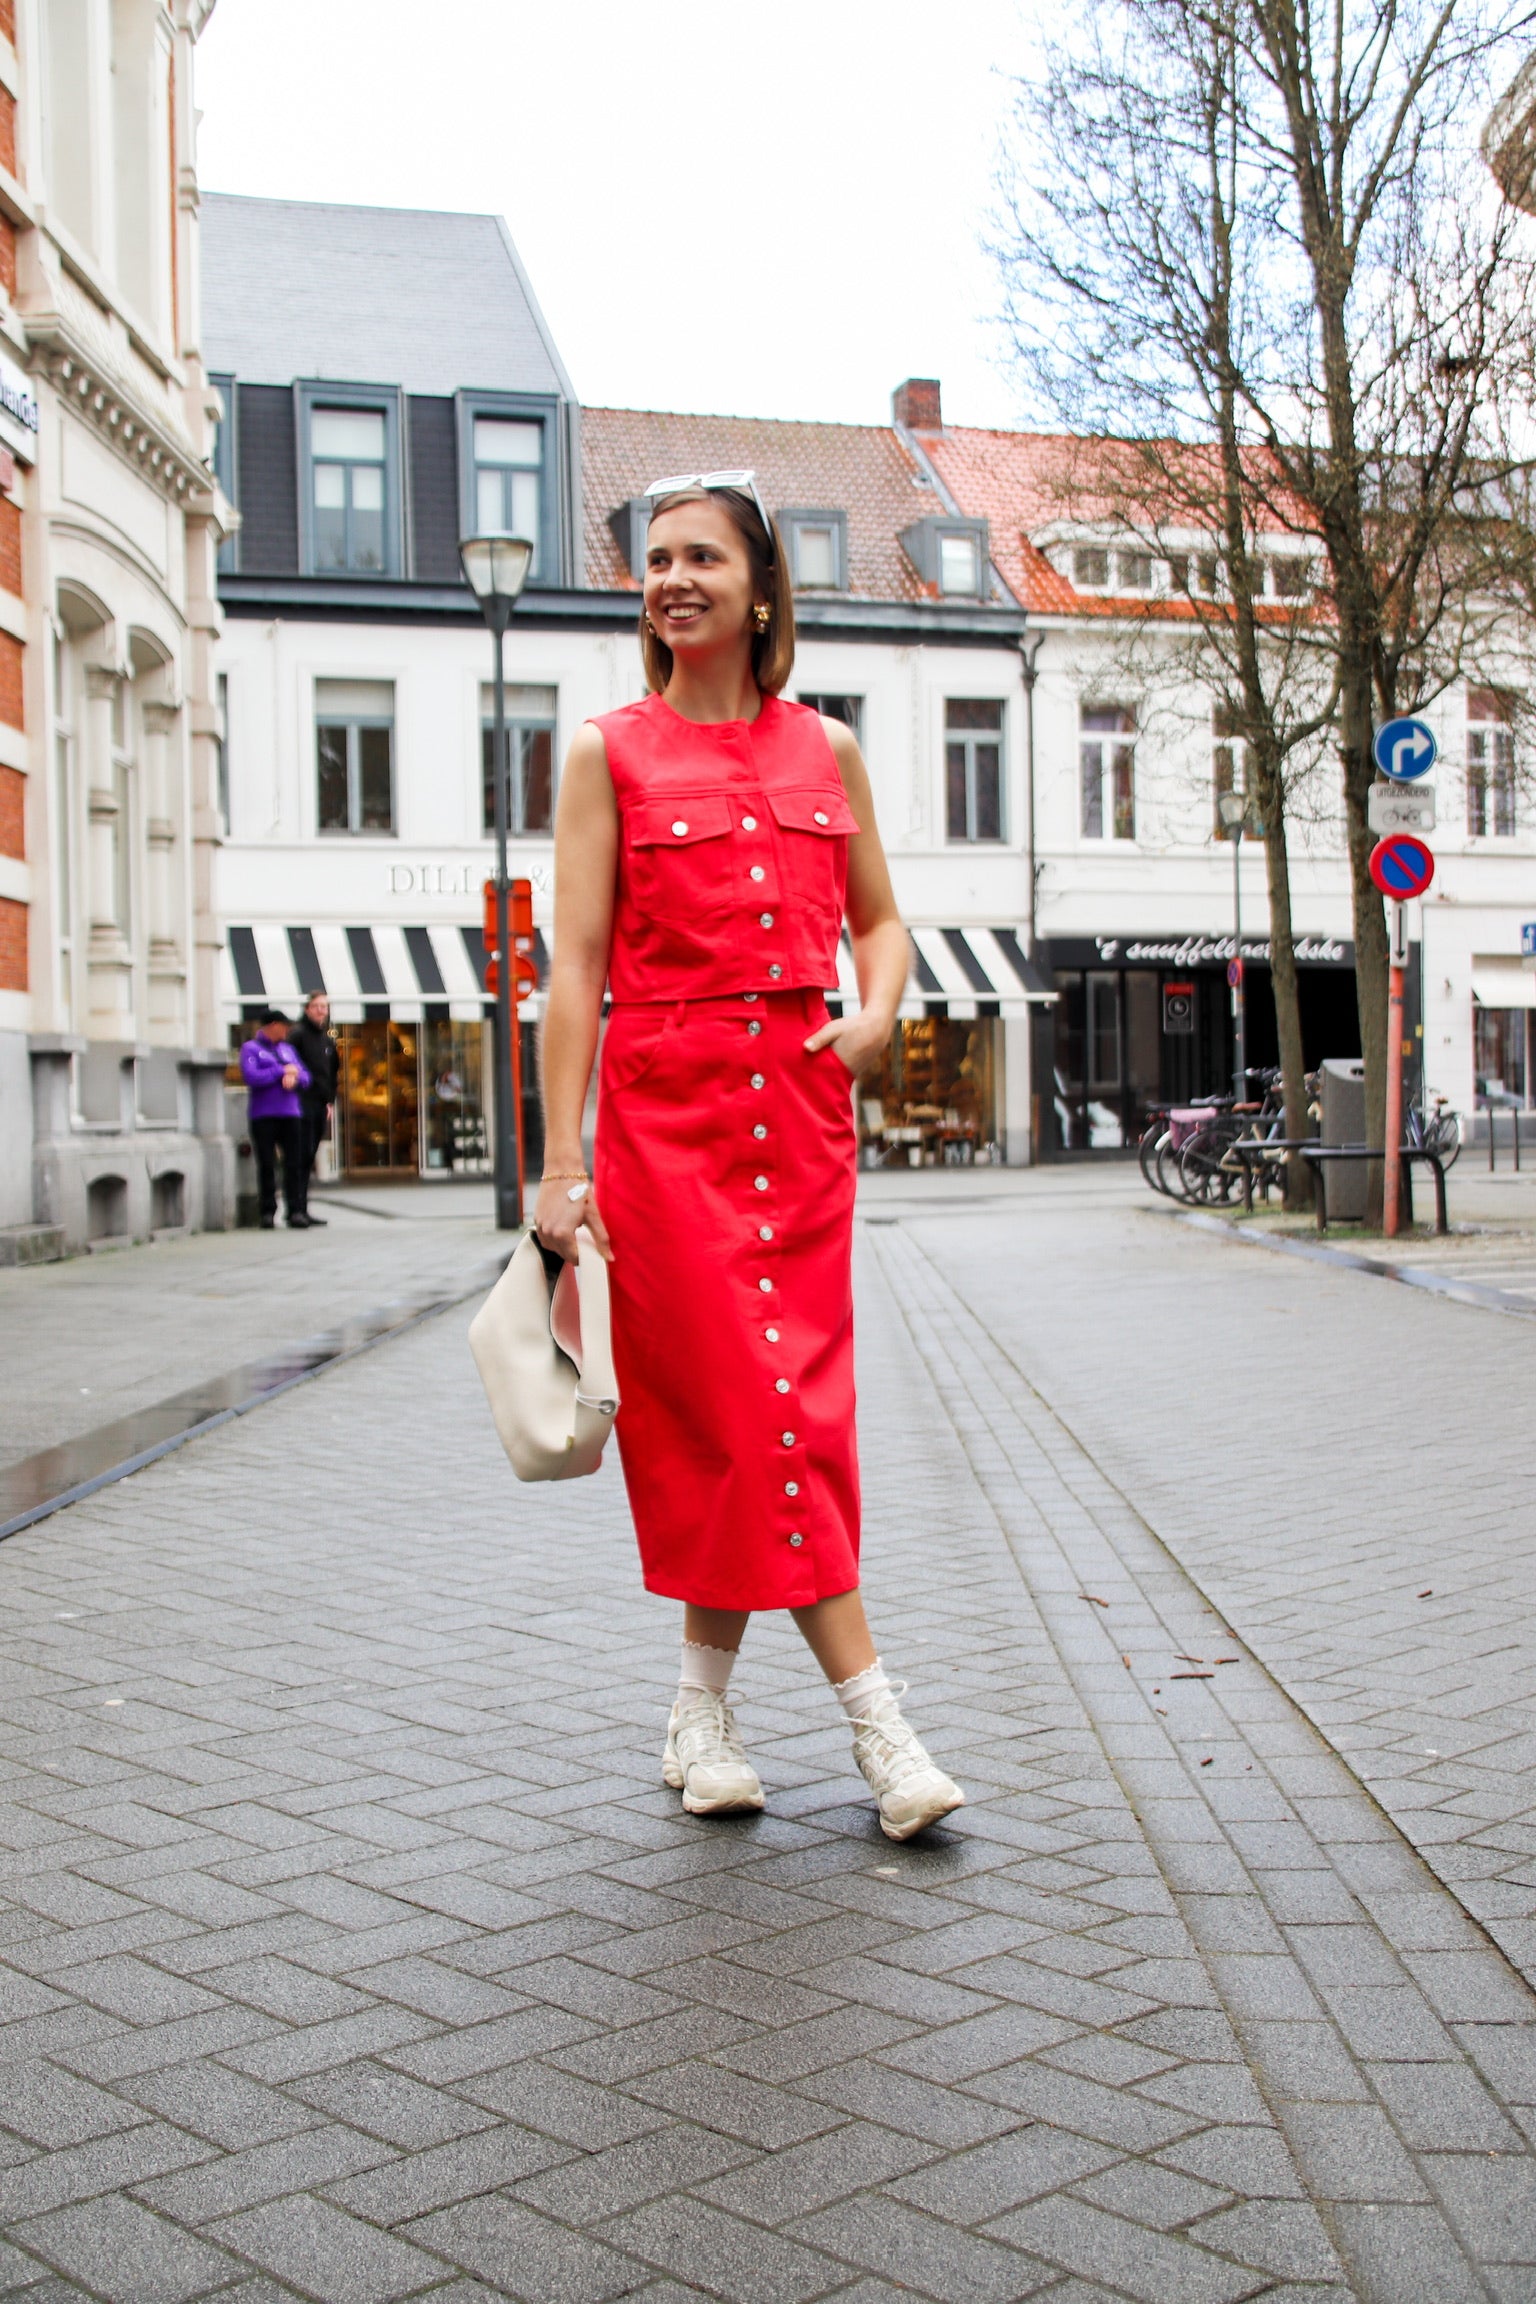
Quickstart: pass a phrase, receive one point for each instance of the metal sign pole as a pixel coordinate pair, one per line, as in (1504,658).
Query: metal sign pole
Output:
(1239,988)
(1393,1132)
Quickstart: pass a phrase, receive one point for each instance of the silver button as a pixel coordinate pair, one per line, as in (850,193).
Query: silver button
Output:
(759,1183)
(757,873)
(775,971)
(760,1131)
(754,1026)
(782,1384)
(680,830)
(788,1439)
(797,1539)
(766,1287)
(772,1335)
(749,823)
(791,1487)
(749,995)
(765,919)
(821,816)
(765,1231)
(757,1080)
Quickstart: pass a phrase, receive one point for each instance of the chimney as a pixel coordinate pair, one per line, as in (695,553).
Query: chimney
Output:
(915,404)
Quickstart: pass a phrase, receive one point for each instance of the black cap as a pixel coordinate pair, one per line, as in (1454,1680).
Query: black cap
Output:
(273,1016)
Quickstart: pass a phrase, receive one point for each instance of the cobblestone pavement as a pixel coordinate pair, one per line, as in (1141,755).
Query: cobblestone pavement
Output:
(350,1948)
(95,1338)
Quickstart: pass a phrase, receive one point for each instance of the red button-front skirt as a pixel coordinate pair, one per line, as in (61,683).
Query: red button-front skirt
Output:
(725,1172)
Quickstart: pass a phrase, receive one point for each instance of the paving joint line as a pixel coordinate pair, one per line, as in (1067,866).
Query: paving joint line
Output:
(54,1478)
(1127,1749)
(1379,1267)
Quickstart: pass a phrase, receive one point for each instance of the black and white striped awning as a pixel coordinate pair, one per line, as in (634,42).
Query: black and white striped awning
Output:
(401,970)
(962,972)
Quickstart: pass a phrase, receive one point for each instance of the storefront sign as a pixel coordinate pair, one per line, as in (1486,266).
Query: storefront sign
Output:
(18,411)
(1187,951)
(454,879)
(1178,1009)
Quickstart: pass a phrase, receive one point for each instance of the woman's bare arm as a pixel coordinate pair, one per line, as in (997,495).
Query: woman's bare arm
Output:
(881,951)
(586,859)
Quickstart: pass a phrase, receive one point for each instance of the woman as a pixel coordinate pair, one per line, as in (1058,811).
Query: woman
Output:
(707,846)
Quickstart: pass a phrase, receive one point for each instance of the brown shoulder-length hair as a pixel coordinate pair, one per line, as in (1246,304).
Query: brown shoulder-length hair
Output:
(773,651)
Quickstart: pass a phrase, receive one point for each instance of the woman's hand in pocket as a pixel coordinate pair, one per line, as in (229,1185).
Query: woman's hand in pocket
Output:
(859,1040)
(557,1217)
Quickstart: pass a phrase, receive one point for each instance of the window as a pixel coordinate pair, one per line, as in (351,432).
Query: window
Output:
(1500,1071)
(1289,576)
(510,474)
(1208,574)
(848,709)
(1090,568)
(958,565)
(950,553)
(1176,566)
(509,479)
(348,452)
(221,741)
(1229,763)
(973,769)
(1134,570)
(531,755)
(817,545)
(1107,754)
(224,462)
(355,755)
(1490,764)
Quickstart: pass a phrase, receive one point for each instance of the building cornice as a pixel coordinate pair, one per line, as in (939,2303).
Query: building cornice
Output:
(331,599)
(100,397)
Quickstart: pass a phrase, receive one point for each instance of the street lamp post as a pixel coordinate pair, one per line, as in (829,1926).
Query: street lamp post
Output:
(496,568)
(1233,809)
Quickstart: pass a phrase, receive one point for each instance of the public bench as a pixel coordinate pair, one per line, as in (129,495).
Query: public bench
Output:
(1317,1157)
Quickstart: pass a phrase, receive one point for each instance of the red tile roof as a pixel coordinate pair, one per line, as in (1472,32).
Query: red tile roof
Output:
(861,469)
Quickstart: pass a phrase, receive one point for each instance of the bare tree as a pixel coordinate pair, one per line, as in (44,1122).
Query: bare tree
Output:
(1241,224)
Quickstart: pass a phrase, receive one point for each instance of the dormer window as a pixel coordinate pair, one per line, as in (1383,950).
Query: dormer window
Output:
(1090,568)
(950,553)
(816,543)
(1134,571)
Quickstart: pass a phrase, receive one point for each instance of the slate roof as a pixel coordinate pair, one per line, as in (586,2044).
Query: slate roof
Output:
(426,299)
(861,469)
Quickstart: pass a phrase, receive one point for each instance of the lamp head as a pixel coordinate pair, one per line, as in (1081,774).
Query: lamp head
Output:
(1232,808)
(495,567)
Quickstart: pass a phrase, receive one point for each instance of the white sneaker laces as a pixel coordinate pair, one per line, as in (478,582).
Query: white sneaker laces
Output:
(708,1729)
(902,1757)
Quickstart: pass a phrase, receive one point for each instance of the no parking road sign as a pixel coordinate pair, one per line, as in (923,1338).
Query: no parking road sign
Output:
(1401,866)
(1405,750)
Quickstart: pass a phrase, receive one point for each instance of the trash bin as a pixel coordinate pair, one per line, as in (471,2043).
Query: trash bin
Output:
(1342,1098)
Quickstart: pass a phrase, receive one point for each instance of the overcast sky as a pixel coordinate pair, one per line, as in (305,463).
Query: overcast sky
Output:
(761,207)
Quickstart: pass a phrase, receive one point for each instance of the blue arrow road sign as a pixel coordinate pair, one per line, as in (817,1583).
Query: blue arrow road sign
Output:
(1405,750)
(1528,937)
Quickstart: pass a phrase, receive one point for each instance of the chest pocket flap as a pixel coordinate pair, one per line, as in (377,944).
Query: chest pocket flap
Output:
(814,808)
(679,822)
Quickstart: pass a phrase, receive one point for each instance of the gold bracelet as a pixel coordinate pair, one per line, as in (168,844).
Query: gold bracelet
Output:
(565,1176)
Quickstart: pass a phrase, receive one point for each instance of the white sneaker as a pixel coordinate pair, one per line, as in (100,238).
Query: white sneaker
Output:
(912,1792)
(705,1759)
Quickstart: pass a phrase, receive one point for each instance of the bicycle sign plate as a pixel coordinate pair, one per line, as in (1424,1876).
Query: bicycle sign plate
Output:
(1400,808)
(1401,866)
(1405,750)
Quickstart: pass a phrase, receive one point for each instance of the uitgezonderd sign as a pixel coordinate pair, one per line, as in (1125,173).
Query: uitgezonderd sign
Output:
(18,411)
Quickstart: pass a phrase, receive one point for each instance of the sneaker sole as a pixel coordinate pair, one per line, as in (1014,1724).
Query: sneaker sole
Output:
(941,1805)
(672,1777)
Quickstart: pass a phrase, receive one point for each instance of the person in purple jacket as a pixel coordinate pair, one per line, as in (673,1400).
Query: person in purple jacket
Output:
(275,1078)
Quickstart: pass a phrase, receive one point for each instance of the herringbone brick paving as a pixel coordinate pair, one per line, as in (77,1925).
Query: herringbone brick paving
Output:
(351,1949)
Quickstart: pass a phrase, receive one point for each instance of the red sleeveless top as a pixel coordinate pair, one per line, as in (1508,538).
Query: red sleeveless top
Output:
(733,852)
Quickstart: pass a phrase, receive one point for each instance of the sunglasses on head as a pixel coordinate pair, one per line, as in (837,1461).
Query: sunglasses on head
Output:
(746,482)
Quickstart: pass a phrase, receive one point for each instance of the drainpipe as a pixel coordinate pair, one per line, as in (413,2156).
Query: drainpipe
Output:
(1029,654)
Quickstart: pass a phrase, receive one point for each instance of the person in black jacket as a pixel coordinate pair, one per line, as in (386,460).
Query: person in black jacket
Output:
(318,1053)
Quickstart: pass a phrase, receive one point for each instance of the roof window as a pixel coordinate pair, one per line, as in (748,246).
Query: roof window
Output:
(816,543)
(951,553)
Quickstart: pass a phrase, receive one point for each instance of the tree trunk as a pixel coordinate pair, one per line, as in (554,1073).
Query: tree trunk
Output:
(1369,916)
(1287,991)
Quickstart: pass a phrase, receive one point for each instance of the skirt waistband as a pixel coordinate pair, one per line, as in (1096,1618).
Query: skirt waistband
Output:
(788,1000)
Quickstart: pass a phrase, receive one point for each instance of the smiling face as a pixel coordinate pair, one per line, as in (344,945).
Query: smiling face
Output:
(698,581)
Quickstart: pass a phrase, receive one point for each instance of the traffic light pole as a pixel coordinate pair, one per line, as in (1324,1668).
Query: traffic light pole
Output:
(508,1098)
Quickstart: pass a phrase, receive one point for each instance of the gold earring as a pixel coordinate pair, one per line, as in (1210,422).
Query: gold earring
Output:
(650,627)
(762,615)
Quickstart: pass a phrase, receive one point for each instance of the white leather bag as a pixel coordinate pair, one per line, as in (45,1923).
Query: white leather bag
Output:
(542,1343)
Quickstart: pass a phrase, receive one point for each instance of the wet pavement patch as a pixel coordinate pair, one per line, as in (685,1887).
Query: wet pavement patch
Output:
(45,1482)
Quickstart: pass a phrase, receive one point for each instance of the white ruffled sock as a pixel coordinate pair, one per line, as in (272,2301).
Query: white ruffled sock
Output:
(857,1694)
(704,1668)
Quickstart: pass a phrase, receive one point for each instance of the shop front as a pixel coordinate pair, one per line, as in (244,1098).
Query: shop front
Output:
(1146,1021)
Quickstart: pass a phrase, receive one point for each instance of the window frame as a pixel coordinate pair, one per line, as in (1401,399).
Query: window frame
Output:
(921,542)
(796,517)
(354,723)
(226,464)
(1492,791)
(518,725)
(372,399)
(819,698)
(971,738)
(1106,740)
(517,408)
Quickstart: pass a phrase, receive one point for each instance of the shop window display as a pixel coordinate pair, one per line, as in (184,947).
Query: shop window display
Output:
(932,1100)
